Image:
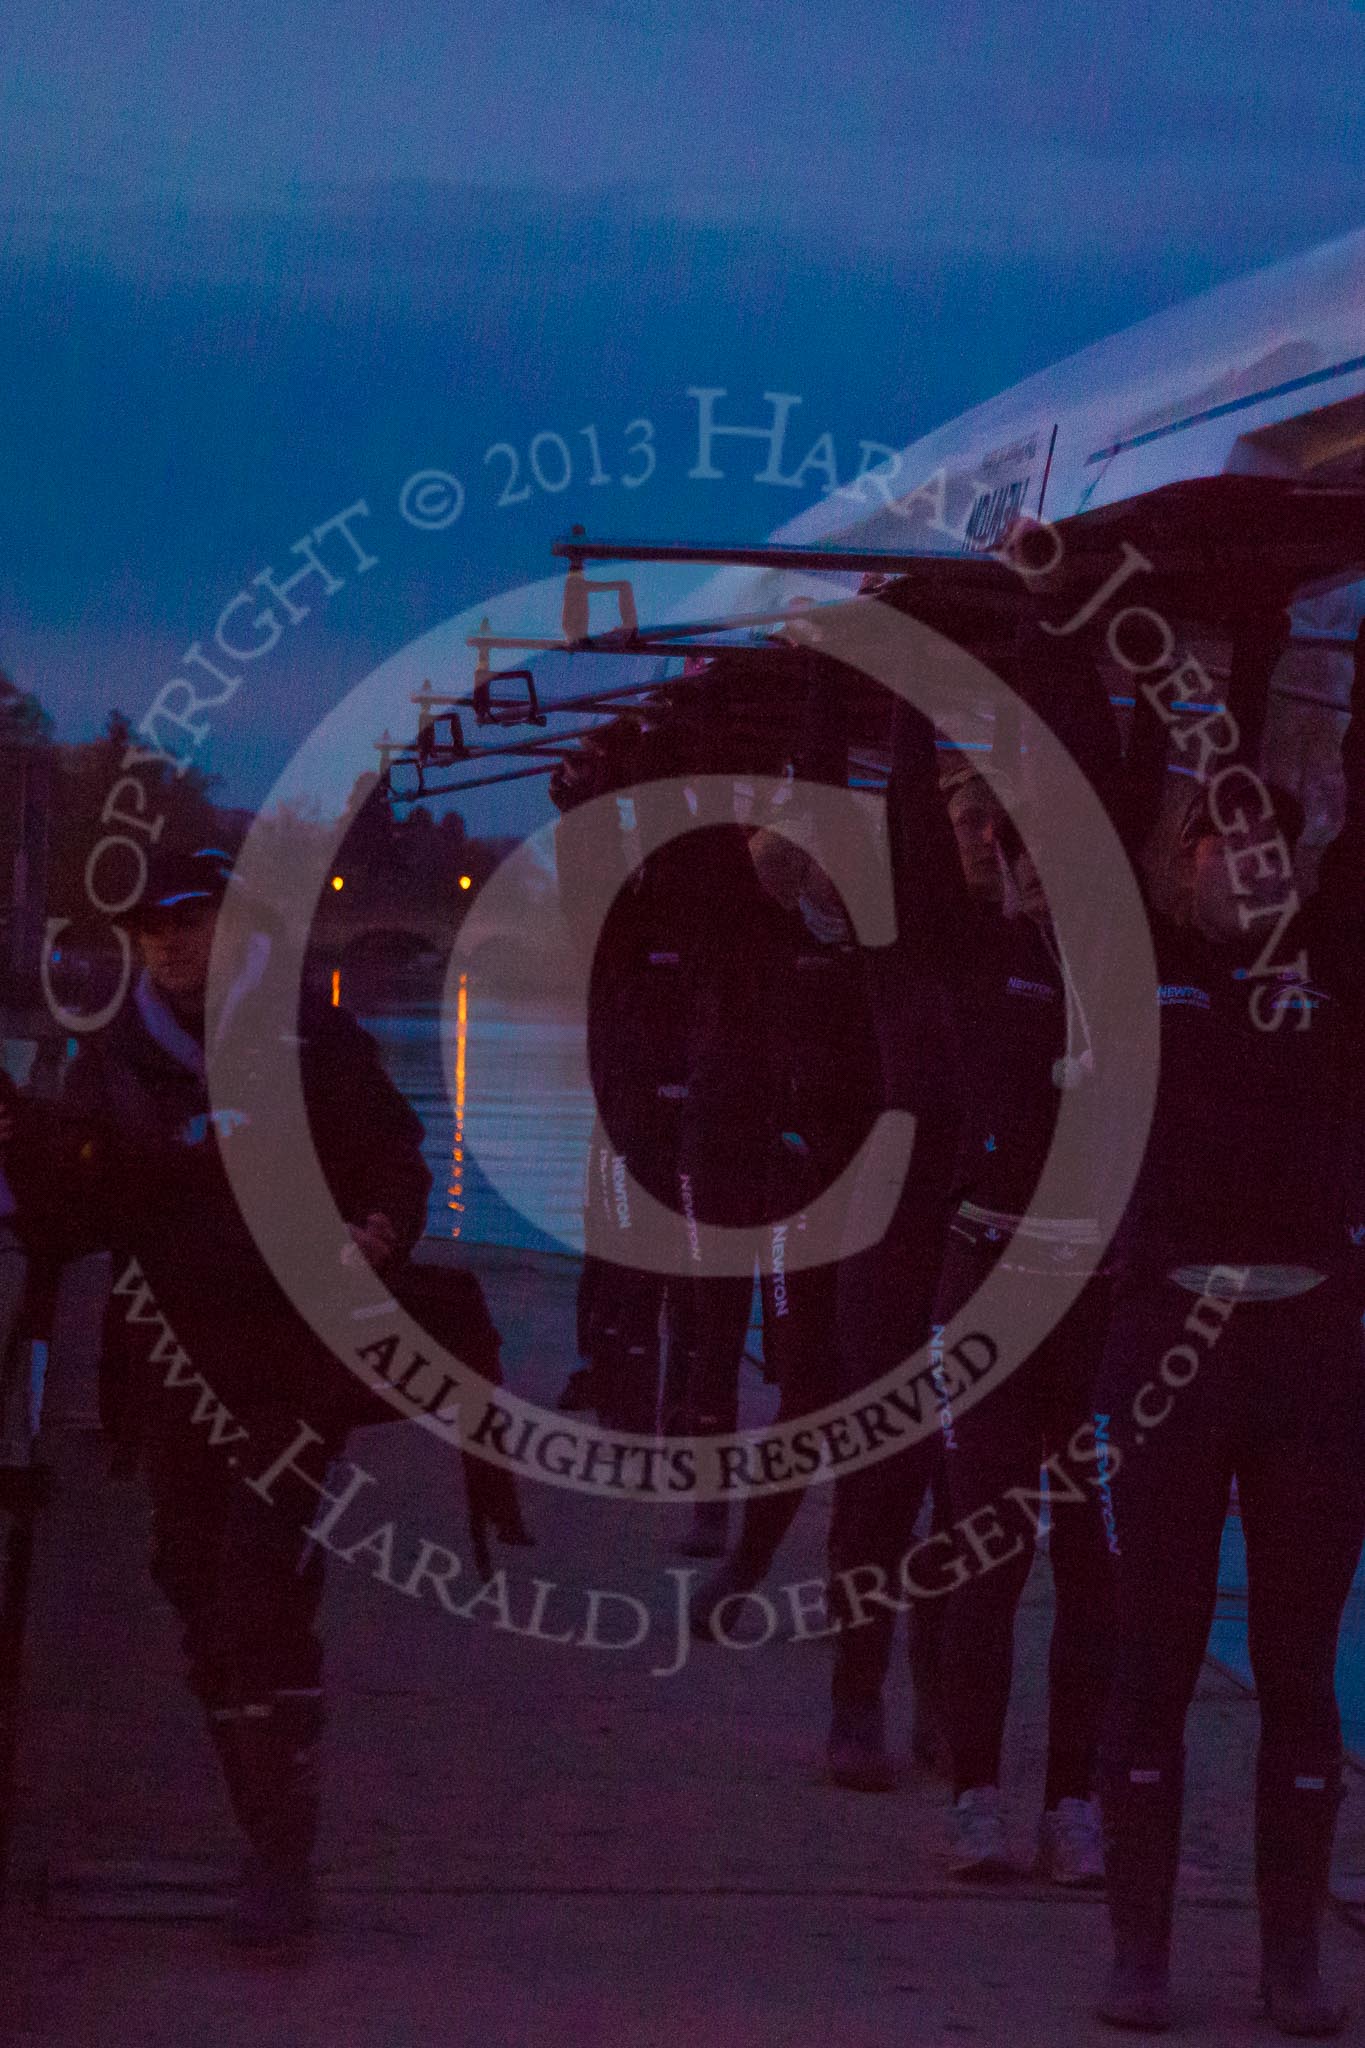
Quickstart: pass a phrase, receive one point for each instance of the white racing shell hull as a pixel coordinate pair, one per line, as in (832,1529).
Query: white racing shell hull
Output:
(1263,377)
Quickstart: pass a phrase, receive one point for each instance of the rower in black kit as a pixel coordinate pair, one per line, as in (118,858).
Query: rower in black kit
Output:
(820,1079)
(724,1131)
(1025,1043)
(1235,1352)
(885,1293)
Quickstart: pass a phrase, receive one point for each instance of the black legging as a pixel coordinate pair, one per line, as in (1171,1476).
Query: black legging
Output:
(619,1305)
(1276,1400)
(884,1300)
(238,1570)
(997,1445)
(720,1181)
(713,1319)
(800,1347)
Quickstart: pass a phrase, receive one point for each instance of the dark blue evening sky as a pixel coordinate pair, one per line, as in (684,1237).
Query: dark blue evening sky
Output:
(261,263)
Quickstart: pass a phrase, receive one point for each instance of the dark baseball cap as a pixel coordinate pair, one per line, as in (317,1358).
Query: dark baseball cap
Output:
(180,884)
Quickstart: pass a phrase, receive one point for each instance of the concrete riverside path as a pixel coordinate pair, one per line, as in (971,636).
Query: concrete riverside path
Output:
(530,1842)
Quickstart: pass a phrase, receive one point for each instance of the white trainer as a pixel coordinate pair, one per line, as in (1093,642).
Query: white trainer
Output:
(1070,1845)
(978,1848)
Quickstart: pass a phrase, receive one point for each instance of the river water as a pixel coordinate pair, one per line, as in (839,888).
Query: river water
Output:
(507,1110)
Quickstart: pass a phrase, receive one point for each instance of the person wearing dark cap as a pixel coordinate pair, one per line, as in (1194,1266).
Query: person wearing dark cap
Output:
(1235,1353)
(150,1159)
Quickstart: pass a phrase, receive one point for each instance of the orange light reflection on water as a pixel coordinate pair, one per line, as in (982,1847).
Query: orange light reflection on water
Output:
(456,1202)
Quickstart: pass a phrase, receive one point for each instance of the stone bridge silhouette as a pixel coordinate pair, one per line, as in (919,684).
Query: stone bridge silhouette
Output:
(398,935)
(393,930)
